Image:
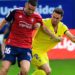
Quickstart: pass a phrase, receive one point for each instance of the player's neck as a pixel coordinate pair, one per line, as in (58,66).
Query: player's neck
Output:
(54,25)
(55,28)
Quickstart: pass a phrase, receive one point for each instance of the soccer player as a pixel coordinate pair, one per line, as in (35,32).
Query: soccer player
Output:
(19,40)
(43,43)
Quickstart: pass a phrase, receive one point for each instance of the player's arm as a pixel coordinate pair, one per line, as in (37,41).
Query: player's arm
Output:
(2,23)
(47,31)
(36,27)
(70,36)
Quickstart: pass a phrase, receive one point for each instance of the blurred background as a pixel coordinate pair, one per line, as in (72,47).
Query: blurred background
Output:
(62,57)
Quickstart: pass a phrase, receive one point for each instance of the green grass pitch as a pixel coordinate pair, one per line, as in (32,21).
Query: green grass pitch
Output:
(59,67)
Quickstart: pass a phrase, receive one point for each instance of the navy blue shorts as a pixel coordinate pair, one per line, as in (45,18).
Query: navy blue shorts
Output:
(12,53)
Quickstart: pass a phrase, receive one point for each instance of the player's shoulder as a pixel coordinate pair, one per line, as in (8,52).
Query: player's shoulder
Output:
(46,19)
(16,10)
(37,15)
(62,24)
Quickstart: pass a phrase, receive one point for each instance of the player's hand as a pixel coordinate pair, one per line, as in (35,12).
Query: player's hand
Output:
(37,25)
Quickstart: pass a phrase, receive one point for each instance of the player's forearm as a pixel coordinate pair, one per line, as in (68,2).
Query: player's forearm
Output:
(73,39)
(36,27)
(70,36)
(47,31)
(2,23)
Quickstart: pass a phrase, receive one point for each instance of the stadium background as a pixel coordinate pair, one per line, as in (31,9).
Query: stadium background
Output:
(64,50)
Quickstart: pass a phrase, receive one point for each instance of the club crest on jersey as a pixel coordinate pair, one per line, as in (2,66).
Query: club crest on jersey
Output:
(20,16)
(32,20)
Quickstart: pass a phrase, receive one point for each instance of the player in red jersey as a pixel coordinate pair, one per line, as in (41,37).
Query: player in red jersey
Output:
(19,41)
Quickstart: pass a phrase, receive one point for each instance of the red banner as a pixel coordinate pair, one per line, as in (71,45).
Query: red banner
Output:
(64,50)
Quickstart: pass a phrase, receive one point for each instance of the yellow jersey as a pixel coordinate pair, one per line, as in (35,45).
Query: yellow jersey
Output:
(42,41)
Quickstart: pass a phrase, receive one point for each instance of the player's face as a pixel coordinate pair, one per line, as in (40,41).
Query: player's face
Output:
(29,9)
(56,18)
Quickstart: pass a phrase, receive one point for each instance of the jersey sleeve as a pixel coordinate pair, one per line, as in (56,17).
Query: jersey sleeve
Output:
(39,19)
(10,16)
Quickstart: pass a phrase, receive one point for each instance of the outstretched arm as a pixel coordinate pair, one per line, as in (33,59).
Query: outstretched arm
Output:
(70,36)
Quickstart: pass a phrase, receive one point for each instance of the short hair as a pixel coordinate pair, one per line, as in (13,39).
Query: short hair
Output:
(33,2)
(59,11)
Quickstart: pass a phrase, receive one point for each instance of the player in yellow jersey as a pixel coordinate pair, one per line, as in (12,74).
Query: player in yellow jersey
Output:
(43,43)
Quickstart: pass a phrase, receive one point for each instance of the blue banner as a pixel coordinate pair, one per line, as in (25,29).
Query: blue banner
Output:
(45,8)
